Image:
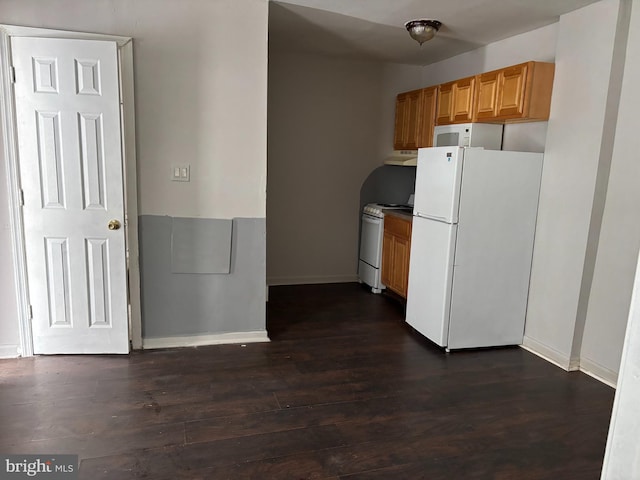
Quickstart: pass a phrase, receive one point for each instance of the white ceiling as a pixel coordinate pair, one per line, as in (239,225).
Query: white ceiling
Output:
(374,29)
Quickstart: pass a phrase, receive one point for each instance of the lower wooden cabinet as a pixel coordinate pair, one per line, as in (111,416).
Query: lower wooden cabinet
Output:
(396,249)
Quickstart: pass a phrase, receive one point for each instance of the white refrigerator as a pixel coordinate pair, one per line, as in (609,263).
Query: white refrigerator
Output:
(474,221)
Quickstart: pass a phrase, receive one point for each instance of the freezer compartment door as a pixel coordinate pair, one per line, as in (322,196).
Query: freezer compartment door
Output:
(438,179)
(430,278)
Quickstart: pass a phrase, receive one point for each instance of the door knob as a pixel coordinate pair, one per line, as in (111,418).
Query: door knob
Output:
(114,225)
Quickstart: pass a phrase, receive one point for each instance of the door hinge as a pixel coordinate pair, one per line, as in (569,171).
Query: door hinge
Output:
(12,73)
(21,198)
(30,312)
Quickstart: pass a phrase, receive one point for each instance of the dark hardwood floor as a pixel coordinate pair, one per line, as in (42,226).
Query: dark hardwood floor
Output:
(344,390)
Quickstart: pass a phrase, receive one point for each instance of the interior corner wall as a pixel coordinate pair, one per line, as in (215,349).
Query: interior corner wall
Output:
(619,241)
(201,100)
(330,124)
(575,135)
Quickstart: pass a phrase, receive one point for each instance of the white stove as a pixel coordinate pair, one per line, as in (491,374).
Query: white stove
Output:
(377,209)
(370,261)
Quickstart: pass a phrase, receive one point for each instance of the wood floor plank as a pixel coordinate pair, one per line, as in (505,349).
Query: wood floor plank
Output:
(107,442)
(219,454)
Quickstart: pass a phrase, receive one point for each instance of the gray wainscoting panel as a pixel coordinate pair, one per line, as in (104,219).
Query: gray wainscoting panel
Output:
(193,304)
(201,245)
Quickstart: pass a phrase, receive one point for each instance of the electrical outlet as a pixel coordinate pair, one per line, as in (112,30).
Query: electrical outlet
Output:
(180,173)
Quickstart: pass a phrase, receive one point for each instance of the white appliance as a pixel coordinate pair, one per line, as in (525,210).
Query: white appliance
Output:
(471,245)
(486,135)
(370,259)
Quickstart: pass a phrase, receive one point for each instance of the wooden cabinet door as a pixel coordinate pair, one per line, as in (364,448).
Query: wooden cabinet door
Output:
(428,114)
(414,117)
(396,274)
(487,95)
(463,91)
(396,248)
(401,127)
(445,104)
(401,249)
(408,120)
(512,91)
(386,275)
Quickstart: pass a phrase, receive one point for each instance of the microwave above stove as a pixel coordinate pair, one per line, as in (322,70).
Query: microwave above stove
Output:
(486,135)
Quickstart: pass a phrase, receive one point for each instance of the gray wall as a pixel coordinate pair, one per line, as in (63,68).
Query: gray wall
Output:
(175,304)
(330,125)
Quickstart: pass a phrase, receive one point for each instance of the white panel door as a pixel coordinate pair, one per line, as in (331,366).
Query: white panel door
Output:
(438,178)
(68,117)
(430,278)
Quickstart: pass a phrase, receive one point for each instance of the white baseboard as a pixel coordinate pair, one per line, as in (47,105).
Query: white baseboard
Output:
(593,369)
(550,354)
(207,339)
(272,281)
(597,371)
(8,351)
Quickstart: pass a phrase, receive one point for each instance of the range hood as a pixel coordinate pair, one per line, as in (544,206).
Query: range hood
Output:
(403,158)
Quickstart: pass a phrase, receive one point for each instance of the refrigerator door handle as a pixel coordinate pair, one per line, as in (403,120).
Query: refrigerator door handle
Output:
(433,217)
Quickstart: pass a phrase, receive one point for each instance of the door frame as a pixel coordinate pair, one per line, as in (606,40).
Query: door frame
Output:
(10,151)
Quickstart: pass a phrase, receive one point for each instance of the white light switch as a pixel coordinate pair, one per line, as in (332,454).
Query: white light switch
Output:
(180,173)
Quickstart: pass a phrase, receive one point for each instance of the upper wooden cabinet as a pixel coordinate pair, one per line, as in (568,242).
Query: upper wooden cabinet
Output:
(521,93)
(515,94)
(415,111)
(463,96)
(408,111)
(487,95)
(456,101)
(429,102)
(445,104)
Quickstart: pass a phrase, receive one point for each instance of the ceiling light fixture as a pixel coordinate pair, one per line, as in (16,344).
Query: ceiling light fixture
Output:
(422,30)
